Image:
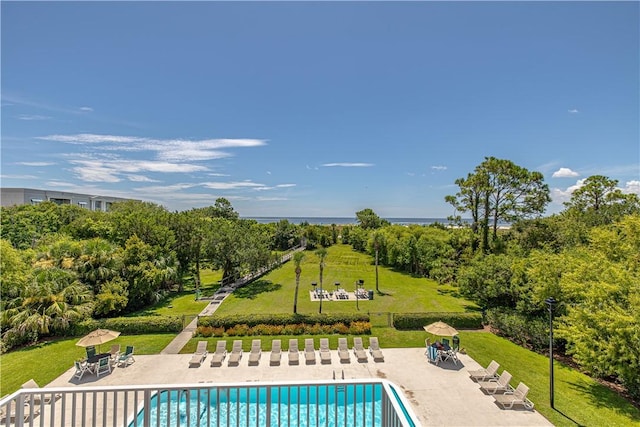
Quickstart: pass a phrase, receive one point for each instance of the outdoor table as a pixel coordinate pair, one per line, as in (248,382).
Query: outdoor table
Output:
(93,360)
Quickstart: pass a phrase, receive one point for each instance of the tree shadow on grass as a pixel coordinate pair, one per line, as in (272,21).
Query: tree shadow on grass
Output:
(600,395)
(253,289)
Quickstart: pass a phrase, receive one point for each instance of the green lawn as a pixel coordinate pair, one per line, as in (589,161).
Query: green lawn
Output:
(18,366)
(399,293)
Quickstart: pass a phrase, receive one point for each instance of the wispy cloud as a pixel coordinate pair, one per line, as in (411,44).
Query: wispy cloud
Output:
(439,168)
(348,165)
(86,109)
(565,173)
(140,178)
(573,111)
(9,176)
(36,164)
(232,185)
(111,170)
(165,149)
(285,185)
(30,117)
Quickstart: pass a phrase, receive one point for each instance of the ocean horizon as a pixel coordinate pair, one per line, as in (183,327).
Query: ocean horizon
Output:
(344,220)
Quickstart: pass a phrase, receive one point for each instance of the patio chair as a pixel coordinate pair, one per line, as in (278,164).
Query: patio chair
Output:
(126,358)
(325,353)
(294,353)
(220,353)
(309,351)
(115,353)
(445,343)
(358,349)
(91,351)
(9,414)
(374,349)
(499,385)
(456,343)
(256,352)
(200,354)
(427,344)
(236,353)
(38,399)
(517,397)
(485,374)
(104,366)
(343,351)
(276,352)
(433,355)
(81,368)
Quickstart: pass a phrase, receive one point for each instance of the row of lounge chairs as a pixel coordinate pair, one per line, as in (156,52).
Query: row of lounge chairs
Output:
(500,386)
(309,352)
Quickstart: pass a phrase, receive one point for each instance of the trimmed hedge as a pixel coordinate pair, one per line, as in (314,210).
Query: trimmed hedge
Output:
(416,321)
(131,325)
(252,320)
(356,328)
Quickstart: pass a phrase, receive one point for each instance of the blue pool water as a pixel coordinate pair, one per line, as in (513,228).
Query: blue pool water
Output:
(349,405)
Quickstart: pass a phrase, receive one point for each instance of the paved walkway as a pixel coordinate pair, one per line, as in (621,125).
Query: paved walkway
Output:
(438,395)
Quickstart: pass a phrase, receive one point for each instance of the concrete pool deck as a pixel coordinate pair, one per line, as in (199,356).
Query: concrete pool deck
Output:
(439,395)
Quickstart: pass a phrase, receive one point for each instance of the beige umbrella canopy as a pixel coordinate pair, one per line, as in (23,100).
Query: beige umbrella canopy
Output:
(442,329)
(97,337)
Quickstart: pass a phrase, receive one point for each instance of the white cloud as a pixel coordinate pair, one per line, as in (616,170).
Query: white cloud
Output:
(36,164)
(232,185)
(97,170)
(33,117)
(140,178)
(439,168)
(271,199)
(348,165)
(632,187)
(573,111)
(18,176)
(285,185)
(565,173)
(166,149)
(87,109)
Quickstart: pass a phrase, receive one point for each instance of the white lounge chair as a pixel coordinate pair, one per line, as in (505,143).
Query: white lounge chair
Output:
(325,352)
(200,354)
(309,351)
(220,353)
(515,397)
(236,353)
(276,352)
(256,352)
(485,374)
(38,399)
(294,353)
(374,349)
(343,351)
(358,349)
(499,385)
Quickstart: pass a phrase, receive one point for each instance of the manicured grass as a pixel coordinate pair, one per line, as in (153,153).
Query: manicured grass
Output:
(48,360)
(399,293)
(579,400)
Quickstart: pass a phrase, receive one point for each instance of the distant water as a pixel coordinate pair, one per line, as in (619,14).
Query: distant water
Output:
(343,220)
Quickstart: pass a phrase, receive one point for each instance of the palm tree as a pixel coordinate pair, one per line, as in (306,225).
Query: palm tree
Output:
(322,254)
(378,239)
(297,259)
(50,303)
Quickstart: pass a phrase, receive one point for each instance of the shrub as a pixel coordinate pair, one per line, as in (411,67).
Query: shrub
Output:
(360,328)
(416,321)
(131,325)
(526,331)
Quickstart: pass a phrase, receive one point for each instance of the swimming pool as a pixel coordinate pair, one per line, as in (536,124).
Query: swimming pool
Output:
(338,404)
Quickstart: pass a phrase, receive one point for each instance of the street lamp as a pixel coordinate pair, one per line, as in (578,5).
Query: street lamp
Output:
(356,295)
(551,302)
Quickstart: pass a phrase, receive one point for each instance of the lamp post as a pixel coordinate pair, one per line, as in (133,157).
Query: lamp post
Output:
(551,302)
(356,295)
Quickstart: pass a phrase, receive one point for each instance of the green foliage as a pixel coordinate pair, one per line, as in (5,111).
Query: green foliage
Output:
(368,219)
(281,319)
(112,299)
(131,325)
(416,321)
(527,331)
(261,329)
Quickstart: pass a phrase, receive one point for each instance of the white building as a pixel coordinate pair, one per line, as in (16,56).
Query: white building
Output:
(30,196)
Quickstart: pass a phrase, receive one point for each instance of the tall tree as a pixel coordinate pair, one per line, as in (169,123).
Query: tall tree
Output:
(500,190)
(378,239)
(598,201)
(368,219)
(297,260)
(322,254)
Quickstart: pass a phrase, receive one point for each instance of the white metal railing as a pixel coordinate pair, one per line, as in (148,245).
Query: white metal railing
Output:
(333,403)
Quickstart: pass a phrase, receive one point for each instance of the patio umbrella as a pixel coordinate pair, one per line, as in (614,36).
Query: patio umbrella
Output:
(441,329)
(97,337)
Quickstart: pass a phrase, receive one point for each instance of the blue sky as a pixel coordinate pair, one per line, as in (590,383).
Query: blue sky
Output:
(316,109)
